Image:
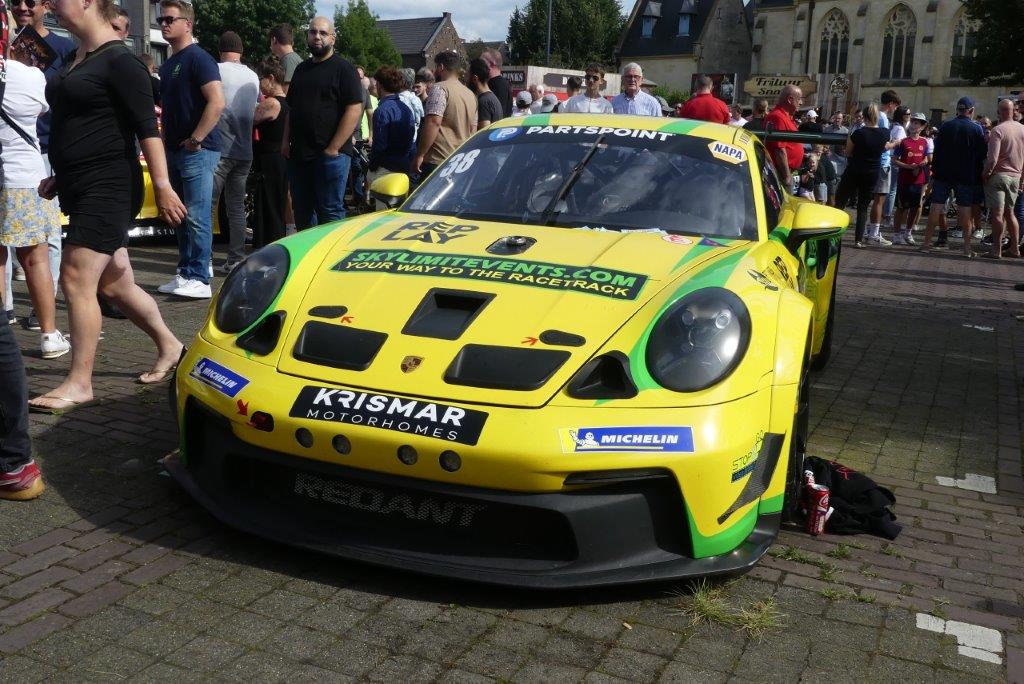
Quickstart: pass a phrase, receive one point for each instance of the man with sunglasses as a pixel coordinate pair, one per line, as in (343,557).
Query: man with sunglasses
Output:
(32,13)
(590,101)
(192,99)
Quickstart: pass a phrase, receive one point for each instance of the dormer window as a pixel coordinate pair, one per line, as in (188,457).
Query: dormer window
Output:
(684,24)
(687,12)
(651,15)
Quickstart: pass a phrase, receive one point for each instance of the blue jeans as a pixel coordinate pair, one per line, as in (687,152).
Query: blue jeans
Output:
(192,178)
(890,199)
(318,189)
(15,445)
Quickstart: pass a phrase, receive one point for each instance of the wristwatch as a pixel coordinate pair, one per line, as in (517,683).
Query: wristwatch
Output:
(192,140)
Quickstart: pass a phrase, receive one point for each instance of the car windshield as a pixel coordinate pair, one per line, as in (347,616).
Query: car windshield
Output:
(596,177)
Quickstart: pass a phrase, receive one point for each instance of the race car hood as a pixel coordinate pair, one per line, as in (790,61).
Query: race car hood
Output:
(472,311)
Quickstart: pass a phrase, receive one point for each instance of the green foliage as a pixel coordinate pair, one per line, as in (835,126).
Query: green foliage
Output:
(1000,56)
(673,97)
(582,31)
(252,21)
(361,41)
(474,48)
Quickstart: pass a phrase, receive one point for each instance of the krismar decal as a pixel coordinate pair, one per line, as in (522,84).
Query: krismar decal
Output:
(439,421)
(441,512)
(220,378)
(590,439)
(600,281)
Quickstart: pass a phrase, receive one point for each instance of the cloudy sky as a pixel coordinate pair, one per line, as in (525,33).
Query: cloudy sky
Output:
(487,19)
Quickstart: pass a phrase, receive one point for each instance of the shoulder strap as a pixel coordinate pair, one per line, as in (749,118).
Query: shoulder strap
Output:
(17,129)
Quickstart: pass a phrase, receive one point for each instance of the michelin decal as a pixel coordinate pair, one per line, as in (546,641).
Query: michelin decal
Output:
(220,378)
(647,439)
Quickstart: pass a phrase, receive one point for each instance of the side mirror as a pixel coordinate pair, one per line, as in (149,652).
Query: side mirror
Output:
(813,221)
(390,189)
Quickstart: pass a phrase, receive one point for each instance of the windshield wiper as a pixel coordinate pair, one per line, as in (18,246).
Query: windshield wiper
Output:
(549,212)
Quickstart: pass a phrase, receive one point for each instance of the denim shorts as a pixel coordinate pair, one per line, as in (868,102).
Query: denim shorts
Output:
(967,195)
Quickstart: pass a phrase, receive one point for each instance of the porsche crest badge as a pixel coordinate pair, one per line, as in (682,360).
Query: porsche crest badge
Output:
(411,363)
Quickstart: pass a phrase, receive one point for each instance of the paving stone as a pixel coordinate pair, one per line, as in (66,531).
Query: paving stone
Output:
(111,663)
(65,649)
(537,672)
(632,665)
(259,666)
(112,623)
(40,580)
(684,673)
(352,657)
(243,627)
(20,669)
(155,599)
(95,600)
(163,672)
(492,660)
(204,653)
(13,640)
(26,608)
(650,639)
(157,638)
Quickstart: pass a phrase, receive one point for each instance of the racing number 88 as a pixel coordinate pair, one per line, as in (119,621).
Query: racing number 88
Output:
(460,163)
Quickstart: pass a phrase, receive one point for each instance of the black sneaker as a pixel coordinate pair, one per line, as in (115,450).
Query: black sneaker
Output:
(32,322)
(943,241)
(11,318)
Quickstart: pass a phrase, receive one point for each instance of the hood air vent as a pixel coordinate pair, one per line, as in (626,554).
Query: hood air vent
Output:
(263,336)
(604,377)
(508,368)
(445,314)
(338,346)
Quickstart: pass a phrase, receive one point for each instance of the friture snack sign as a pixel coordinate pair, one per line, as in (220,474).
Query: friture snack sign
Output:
(770,86)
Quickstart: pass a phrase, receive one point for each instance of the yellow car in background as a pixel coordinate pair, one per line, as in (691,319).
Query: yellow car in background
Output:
(577,354)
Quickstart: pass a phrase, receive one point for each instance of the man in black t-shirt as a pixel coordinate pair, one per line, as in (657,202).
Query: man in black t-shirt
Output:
(488,108)
(497,83)
(326,103)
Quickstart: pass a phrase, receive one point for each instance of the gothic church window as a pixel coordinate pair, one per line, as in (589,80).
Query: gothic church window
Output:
(899,37)
(835,43)
(965,43)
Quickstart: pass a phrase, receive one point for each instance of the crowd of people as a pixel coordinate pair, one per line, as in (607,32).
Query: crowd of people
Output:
(302,136)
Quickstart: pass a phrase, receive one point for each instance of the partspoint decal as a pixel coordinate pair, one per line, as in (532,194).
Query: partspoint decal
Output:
(726,152)
(604,282)
(601,439)
(504,134)
(677,239)
(386,412)
(431,232)
(220,378)
(600,130)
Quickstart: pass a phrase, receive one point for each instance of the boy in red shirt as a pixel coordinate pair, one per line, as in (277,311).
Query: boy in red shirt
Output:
(912,158)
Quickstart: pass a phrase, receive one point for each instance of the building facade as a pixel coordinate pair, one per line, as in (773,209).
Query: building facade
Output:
(910,46)
(420,40)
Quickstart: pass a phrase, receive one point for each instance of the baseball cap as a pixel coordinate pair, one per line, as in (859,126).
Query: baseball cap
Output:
(811,114)
(965,103)
(919,117)
(524,99)
(548,103)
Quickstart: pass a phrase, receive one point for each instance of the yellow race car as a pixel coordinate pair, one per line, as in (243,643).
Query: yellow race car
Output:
(577,354)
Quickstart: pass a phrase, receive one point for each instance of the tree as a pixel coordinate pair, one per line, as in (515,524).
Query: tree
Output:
(474,48)
(1000,56)
(361,40)
(252,21)
(575,42)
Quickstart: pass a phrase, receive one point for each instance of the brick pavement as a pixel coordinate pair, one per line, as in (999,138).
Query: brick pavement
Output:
(114,574)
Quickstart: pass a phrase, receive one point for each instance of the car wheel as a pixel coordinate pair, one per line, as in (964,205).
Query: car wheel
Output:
(798,446)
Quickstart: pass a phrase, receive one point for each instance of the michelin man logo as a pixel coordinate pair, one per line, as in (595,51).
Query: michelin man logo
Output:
(586,441)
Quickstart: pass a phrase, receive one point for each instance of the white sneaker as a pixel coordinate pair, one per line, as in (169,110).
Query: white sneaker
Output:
(209,273)
(193,289)
(956,233)
(19,273)
(53,345)
(172,285)
(899,239)
(909,239)
(978,234)
(879,239)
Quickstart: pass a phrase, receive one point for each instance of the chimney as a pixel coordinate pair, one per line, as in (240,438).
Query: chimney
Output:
(446,15)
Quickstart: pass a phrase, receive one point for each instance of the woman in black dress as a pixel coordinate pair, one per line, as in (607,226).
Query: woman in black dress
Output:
(100,103)
(864,151)
(270,166)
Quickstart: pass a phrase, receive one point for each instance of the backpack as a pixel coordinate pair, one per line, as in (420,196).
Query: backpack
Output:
(859,503)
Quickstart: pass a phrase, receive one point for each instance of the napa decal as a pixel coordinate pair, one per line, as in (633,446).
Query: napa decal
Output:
(646,439)
(637,133)
(220,378)
(504,134)
(604,282)
(728,153)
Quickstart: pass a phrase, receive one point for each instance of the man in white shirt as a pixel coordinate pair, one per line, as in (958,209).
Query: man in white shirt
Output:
(410,100)
(590,101)
(736,112)
(633,100)
(536,91)
(241,90)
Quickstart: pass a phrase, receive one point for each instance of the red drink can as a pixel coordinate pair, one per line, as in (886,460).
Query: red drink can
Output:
(817,509)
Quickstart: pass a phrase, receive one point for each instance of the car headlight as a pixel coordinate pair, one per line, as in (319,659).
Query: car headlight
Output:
(699,340)
(251,288)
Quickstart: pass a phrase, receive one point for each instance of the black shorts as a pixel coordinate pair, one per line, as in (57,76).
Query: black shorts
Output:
(105,239)
(909,196)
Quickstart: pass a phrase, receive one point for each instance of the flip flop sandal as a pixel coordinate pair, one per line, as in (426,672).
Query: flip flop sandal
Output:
(71,405)
(161,376)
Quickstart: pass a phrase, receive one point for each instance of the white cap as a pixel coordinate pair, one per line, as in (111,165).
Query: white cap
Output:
(524,99)
(548,103)
(811,114)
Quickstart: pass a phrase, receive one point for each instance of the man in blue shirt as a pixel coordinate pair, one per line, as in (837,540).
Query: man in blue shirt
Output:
(394,126)
(192,99)
(885,183)
(960,150)
(33,14)
(632,100)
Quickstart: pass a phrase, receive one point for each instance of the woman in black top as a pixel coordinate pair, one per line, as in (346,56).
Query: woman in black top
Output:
(100,102)
(864,151)
(269,165)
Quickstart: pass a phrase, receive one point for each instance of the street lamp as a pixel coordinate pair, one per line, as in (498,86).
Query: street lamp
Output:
(548,62)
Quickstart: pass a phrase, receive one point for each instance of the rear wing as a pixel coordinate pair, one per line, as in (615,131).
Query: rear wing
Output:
(800,137)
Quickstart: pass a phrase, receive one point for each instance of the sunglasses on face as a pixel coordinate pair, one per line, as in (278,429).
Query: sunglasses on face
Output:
(592,77)
(31,4)
(167,21)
